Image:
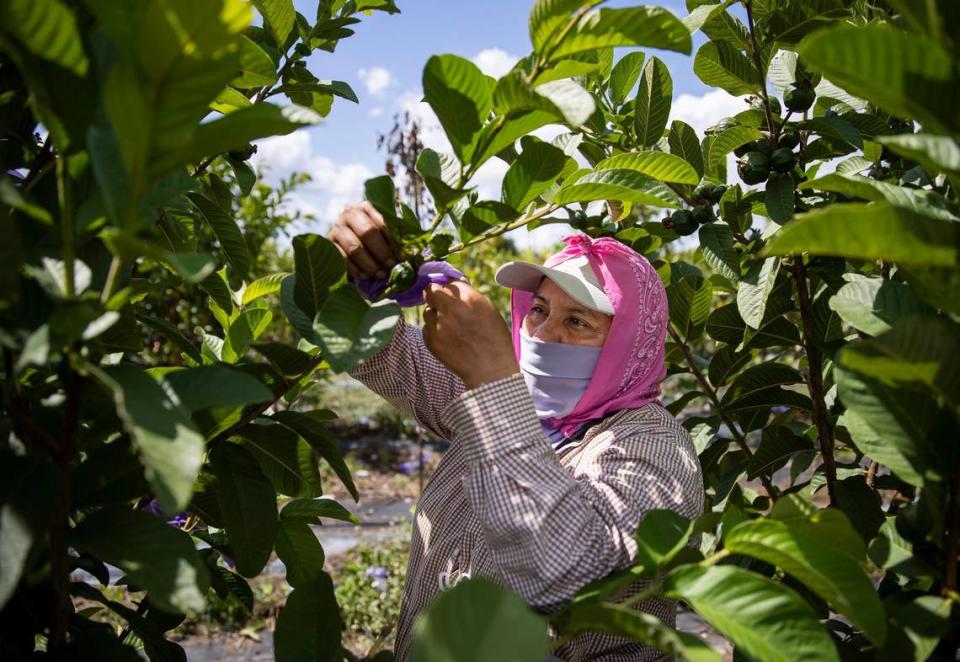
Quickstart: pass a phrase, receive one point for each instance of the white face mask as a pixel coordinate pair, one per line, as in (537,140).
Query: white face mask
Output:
(557,374)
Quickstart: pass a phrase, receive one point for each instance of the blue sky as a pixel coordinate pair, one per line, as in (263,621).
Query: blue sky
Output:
(383,63)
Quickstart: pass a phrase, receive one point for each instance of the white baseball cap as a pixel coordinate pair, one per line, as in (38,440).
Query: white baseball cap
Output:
(574,276)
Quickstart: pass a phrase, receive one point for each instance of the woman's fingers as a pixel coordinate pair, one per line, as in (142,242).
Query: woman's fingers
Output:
(370,233)
(350,245)
(396,250)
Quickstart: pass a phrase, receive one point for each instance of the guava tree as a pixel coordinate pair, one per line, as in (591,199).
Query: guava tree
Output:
(815,307)
(131,439)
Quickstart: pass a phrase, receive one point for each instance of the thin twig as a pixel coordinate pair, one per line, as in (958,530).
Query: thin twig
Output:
(712,394)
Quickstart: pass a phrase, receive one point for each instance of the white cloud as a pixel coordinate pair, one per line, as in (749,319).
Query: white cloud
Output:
(375,112)
(705,111)
(333,186)
(431,133)
(377,80)
(495,61)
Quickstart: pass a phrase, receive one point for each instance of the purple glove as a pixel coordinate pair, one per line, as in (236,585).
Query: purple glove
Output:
(429,272)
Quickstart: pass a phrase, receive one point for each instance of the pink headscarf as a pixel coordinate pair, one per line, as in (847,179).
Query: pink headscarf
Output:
(631,364)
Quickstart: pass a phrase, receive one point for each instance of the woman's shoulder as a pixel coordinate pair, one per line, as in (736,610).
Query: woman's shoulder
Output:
(652,417)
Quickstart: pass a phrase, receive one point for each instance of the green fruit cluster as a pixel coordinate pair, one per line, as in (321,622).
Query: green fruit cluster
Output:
(686,221)
(799,98)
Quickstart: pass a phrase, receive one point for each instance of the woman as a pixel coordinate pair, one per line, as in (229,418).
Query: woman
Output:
(559,446)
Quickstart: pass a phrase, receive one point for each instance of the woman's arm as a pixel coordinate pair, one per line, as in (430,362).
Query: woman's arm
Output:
(410,378)
(551,533)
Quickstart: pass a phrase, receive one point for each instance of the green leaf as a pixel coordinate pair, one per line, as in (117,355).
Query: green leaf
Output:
(661,166)
(262,287)
(760,386)
(876,231)
(726,362)
(313,509)
(318,266)
(290,361)
(157,557)
(351,330)
(626,622)
(461,96)
(767,620)
(934,153)
(256,67)
(235,131)
(192,267)
(227,231)
(899,418)
(440,173)
(246,328)
(29,497)
(548,16)
(719,64)
(919,350)
(565,99)
(807,550)
(779,197)
(624,76)
(690,298)
(685,144)
(778,446)
(652,106)
(518,124)
(716,243)
(873,305)
(302,322)
(654,27)
(286,459)
(533,172)
(279,15)
(48,29)
(917,627)
(308,626)
(903,73)
(216,385)
(617,184)
(478,620)
(322,441)
(170,448)
(727,141)
(754,291)
(300,551)
(876,447)
(660,535)
(921,201)
(249,506)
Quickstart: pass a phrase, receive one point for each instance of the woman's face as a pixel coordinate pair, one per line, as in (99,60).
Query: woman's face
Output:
(555,317)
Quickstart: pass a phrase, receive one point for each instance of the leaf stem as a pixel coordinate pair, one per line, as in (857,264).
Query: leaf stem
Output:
(500,229)
(712,394)
(761,70)
(815,378)
(713,559)
(68,249)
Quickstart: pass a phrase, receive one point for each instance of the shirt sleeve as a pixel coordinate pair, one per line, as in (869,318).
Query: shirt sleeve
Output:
(552,532)
(407,375)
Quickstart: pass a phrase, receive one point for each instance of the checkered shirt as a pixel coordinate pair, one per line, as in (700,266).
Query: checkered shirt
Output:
(503,504)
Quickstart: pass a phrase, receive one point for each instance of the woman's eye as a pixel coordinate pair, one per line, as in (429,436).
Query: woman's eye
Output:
(576,321)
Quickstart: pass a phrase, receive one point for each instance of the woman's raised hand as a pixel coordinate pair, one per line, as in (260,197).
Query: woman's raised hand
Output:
(365,242)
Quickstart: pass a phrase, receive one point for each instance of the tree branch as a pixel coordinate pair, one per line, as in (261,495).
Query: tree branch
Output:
(815,379)
(712,394)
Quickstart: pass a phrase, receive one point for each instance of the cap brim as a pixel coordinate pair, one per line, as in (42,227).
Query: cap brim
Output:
(525,276)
